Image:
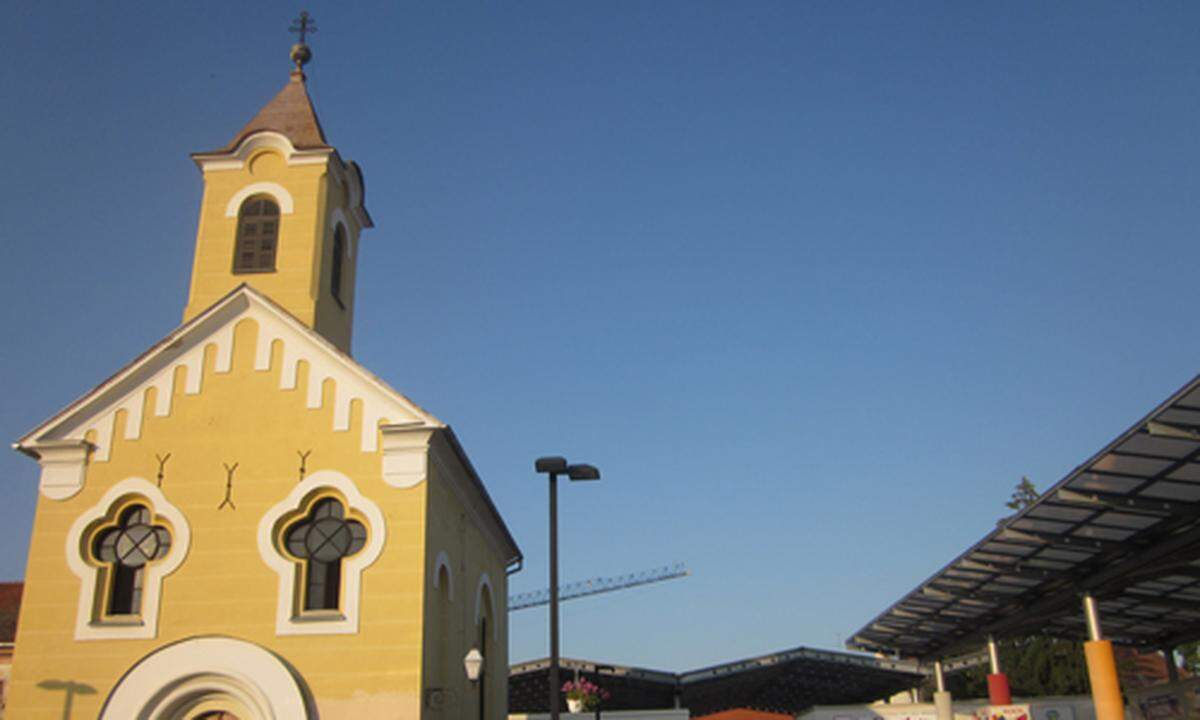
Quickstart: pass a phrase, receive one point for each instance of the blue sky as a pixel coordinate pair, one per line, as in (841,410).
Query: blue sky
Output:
(814,284)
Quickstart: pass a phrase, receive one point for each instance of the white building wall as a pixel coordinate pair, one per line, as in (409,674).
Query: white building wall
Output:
(1072,707)
(612,715)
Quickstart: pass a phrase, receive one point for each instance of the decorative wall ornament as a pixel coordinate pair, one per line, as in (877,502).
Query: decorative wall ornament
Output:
(228,487)
(303,461)
(162,463)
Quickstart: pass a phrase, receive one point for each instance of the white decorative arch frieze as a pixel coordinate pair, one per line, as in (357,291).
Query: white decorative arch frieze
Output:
(443,561)
(85,433)
(145,625)
(286,204)
(288,619)
(179,679)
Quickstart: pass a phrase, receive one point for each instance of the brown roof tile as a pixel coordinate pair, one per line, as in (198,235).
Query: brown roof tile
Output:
(10,605)
(290,113)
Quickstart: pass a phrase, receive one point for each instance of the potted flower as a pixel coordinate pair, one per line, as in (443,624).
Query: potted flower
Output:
(583,695)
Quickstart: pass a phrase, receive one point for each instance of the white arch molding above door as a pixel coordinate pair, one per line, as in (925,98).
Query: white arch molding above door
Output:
(206,673)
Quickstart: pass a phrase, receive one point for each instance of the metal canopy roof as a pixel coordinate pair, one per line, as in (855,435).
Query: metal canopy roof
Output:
(1124,525)
(792,681)
(632,688)
(789,682)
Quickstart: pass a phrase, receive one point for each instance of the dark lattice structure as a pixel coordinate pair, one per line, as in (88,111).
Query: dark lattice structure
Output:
(786,682)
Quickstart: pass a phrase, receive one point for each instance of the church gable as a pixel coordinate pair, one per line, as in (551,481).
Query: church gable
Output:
(200,352)
(245,478)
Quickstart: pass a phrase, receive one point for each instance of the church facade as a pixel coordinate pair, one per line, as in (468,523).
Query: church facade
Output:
(244,522)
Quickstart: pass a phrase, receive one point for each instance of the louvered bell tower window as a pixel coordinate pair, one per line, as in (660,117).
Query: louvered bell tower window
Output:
(257,236)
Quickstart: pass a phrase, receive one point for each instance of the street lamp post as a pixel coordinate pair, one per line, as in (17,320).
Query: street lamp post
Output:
(598,668)
(553,467)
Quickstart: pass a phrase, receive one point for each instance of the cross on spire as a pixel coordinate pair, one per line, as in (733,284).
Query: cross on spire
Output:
(303,25)
(301,53)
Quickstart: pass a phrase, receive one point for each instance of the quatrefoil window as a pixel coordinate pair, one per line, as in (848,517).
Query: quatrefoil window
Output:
(123,551)
(321,540)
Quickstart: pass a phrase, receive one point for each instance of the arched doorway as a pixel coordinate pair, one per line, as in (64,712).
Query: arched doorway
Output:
(208,678)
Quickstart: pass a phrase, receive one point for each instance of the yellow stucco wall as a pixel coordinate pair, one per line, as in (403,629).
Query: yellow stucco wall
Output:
(450,618)
(223,586)
(301,280)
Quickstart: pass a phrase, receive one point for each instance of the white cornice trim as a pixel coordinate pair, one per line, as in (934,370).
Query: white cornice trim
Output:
(286,204)
(263,140)
(286,620)
(86,628)
(64,466)
(405,461)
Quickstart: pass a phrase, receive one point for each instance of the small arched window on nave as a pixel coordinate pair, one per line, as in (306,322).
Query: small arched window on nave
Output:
(257,235)
(335,267)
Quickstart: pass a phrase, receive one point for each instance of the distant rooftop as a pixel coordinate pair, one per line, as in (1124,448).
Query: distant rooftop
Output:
(789,682)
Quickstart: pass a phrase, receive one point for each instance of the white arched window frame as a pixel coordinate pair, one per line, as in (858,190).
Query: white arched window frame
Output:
(287,620)
(486,582)
(87,626)
(282,197)
(443,561)
(338,218)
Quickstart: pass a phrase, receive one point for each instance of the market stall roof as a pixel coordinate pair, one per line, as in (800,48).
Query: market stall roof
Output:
(792,681)
(1124,526)
(632,688)
(789,682)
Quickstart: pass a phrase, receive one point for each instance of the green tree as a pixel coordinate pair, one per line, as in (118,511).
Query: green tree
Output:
(1036,666)
(1023,495)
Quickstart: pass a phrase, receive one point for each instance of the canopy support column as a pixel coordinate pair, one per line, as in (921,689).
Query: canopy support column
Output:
(998,690)
(1172,668)
(942,702)
(1102,666)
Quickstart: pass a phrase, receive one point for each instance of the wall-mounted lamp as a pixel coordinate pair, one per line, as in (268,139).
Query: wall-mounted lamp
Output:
(473,663)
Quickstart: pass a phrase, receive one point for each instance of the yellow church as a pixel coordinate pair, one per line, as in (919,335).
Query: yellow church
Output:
(243,522)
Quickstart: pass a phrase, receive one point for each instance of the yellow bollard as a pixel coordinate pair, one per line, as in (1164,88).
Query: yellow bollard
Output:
(1102,672)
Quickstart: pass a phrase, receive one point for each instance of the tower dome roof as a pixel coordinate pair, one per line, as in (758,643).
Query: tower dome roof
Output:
(289,113)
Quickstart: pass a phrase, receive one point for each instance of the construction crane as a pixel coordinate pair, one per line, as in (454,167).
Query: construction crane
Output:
(595,586)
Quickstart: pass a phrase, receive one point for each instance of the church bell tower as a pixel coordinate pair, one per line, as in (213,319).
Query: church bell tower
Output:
(282,212)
